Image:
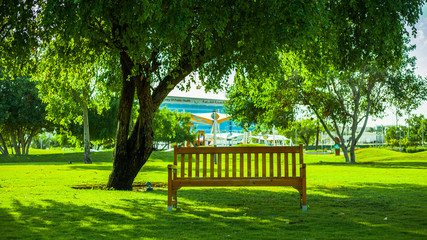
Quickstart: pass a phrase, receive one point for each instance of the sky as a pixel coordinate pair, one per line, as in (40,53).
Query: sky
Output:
(390,118)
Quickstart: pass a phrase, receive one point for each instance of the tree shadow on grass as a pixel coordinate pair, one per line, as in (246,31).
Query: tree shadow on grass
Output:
(234,213)
(371,211)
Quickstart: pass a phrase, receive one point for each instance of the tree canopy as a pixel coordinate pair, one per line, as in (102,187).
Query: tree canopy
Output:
(149,47)
(352,68)
(23,114)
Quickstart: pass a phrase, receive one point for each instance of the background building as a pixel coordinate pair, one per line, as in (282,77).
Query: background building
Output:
(201,105)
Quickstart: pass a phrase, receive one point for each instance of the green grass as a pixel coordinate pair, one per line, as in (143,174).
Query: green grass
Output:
(384,196)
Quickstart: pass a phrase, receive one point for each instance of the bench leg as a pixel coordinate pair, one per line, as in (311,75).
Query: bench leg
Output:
(303,190)
(169,199)
(175,199)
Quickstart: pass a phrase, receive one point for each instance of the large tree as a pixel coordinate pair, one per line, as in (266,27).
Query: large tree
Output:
(155,45)
(71,88)
(353,67)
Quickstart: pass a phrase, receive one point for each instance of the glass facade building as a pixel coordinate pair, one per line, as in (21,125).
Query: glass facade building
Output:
(201,105)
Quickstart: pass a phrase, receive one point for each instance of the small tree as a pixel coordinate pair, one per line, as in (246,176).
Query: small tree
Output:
(23,114)
(306,130)
(417,127)
(171,126)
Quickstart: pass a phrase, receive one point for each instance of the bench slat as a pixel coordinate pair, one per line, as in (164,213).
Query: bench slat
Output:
(182,165)
(242,168)
(205,165)
(212,170)
(294,165)
(208,182)
(249,164)
(256,164)
(234,165)
(264,165)
(271,165)
(219,165)
(200,150)
(286,165)
(227,165)
(197,165)
(190,165)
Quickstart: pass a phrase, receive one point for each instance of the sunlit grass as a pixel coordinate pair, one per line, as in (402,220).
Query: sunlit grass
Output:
(381,197)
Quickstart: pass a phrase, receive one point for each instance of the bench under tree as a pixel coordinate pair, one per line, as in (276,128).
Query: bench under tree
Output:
(235,167)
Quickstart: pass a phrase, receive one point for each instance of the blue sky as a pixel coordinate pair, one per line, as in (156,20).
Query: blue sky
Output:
(390,119)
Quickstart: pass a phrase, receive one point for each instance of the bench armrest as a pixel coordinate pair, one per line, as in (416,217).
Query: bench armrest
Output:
(172,167)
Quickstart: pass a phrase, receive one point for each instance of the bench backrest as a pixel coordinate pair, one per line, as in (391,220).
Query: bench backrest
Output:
(238,162)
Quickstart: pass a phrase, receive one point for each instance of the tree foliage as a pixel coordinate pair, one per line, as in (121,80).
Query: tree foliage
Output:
(154,45)
(350,70)
(305,129)
(171,126)
(22,114)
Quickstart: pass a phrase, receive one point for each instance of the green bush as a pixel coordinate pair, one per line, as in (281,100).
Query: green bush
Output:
(415,149)
(393,143)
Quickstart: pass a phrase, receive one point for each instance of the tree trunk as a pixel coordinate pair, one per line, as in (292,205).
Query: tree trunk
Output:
(30,138)
(345,152)
(132,152)
(87,158)
(22,141)
(4,146)
(15,144)
(125,152)
(317,136)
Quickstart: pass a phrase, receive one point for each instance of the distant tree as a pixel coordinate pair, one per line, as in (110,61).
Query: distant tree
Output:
(416,129)
(171,126)
(306,130)
(23,114)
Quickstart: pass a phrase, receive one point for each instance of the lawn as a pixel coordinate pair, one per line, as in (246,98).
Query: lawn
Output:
(384,196)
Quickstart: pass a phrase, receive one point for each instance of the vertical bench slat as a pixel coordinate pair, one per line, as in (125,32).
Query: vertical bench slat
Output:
(219,165)
(301,161)
(227,165)
(294,165)
(271,165)
(249,164)
(264,167)
(197,165)
(175,161)
(256,164)
(242,168)
(279,165)
(286,165)
(205,165)
(212,170)
(234,165)
(190,165)
(182,165)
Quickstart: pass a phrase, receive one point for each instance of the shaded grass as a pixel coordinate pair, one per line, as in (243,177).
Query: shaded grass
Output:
(383,199)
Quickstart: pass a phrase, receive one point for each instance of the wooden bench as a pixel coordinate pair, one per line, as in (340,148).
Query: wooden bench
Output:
(237,166)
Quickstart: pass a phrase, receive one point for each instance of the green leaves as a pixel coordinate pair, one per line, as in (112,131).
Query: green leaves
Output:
(171,126)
